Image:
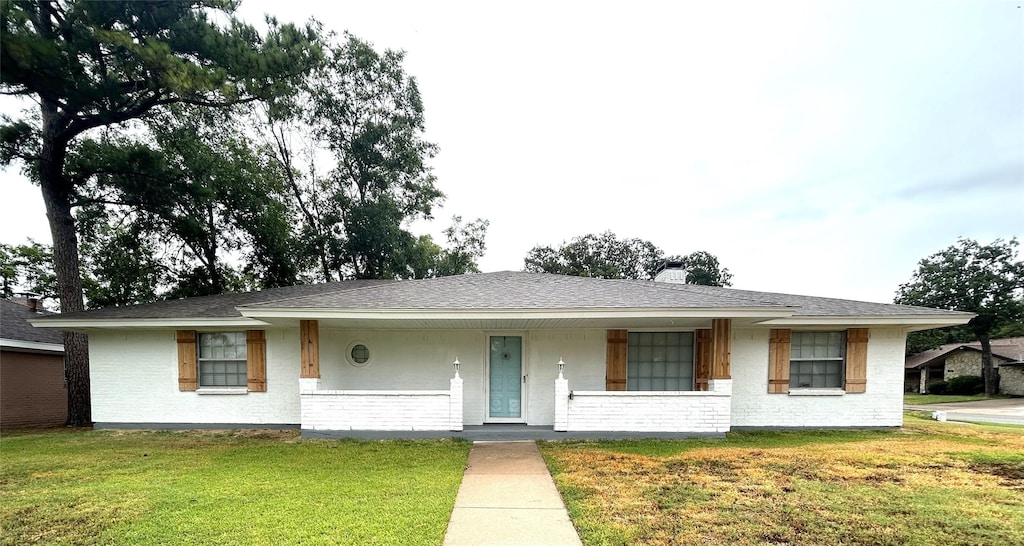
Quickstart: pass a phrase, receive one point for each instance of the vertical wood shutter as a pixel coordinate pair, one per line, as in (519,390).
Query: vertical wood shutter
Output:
(309,337)
(256,359)
(721,348)
(187,367)
(703,370)
(856,359)
(615,373)
(778,361)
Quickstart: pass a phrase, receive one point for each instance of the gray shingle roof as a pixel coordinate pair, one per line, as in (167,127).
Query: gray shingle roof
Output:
(505,290)
(219,306)
(13,325)
(518,290)
(811,306)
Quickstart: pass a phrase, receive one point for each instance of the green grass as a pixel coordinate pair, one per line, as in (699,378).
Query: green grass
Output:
(928,484)
(109,487)
(923,399)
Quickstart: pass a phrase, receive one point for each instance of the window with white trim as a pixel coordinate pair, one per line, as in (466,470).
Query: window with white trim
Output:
(817,360)
(222,359)
(660,361)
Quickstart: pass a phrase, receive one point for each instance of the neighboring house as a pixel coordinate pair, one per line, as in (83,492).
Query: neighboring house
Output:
(959,359)
(32,389)
(638,356)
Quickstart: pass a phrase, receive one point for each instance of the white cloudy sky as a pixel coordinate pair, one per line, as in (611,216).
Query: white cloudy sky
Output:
(816,147)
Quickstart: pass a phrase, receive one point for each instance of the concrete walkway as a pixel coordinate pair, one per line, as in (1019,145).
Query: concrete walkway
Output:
(507,496)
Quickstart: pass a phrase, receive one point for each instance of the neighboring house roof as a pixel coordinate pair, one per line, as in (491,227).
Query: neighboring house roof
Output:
(1007,349)
(504,300)
(17,333)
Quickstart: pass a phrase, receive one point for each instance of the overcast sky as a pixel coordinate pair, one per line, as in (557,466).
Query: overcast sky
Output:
(817,148)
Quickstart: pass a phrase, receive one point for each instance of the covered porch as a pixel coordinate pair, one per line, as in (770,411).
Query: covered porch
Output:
(576,408)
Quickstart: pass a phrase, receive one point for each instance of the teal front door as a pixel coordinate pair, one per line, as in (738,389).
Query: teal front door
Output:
(506,377)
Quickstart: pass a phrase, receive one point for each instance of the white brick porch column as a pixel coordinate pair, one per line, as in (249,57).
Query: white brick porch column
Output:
(308,384)
(561,403)
(720,385)
(455,404)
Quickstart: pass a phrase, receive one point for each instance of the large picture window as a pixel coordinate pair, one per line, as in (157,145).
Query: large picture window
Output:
(817,360)
(222,359)
(660,361)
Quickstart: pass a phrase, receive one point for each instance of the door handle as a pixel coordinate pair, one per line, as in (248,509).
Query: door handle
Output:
(524,379)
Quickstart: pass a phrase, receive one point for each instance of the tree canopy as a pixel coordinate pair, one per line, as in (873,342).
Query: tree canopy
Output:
(606,256)
(158,181)
(92,65)
(967,276)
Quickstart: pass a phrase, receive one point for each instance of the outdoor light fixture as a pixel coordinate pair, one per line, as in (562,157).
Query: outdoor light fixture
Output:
(561,366)
(456,365)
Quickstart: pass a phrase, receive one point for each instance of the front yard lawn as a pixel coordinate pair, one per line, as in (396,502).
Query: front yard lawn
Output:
(110,487)
(927,484)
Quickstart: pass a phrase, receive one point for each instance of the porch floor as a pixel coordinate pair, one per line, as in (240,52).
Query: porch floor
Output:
(501,433)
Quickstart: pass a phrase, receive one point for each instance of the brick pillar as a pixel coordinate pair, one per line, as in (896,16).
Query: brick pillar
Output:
(455,404)
(561,404)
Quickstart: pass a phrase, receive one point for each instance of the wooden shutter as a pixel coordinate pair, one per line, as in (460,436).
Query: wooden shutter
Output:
(615,374)
(778,361)
(256,359)
(721,348)
(187,367)
(309,337)
(856,359)
(703,368)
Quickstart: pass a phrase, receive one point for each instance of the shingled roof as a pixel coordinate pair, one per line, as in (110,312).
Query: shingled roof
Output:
(1008,349)
(519,290)
(218,306)
(508,291)
(14,325)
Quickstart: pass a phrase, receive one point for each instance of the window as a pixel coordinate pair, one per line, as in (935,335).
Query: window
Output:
(660,361)
(358,354)
(816,360)
(222,359)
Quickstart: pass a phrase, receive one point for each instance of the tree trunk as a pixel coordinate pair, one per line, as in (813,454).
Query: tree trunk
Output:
(57,194)
(988,373)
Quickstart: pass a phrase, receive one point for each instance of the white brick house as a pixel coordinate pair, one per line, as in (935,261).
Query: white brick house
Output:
(639,356)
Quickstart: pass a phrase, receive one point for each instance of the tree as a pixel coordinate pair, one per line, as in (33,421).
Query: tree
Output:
(606,256)
(602,256)
(202,197)
(90,65)
(362,110)
(703,268)
(28,268)
(987,280)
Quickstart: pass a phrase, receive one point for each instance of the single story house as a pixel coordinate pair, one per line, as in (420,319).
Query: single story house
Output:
(32,388)
(958,359)
(569,354)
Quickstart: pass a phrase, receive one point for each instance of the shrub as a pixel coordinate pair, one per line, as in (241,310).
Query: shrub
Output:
(965,384)
(938,388)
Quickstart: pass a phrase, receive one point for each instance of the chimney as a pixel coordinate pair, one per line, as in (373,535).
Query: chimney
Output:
(671,272)
(30,300)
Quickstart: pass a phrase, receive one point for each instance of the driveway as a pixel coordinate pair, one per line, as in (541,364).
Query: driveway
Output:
(1003,410)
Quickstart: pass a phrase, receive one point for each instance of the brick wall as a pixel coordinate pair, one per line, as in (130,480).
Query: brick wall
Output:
(378,410)
(880,406)
(691,411)
(32,390)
